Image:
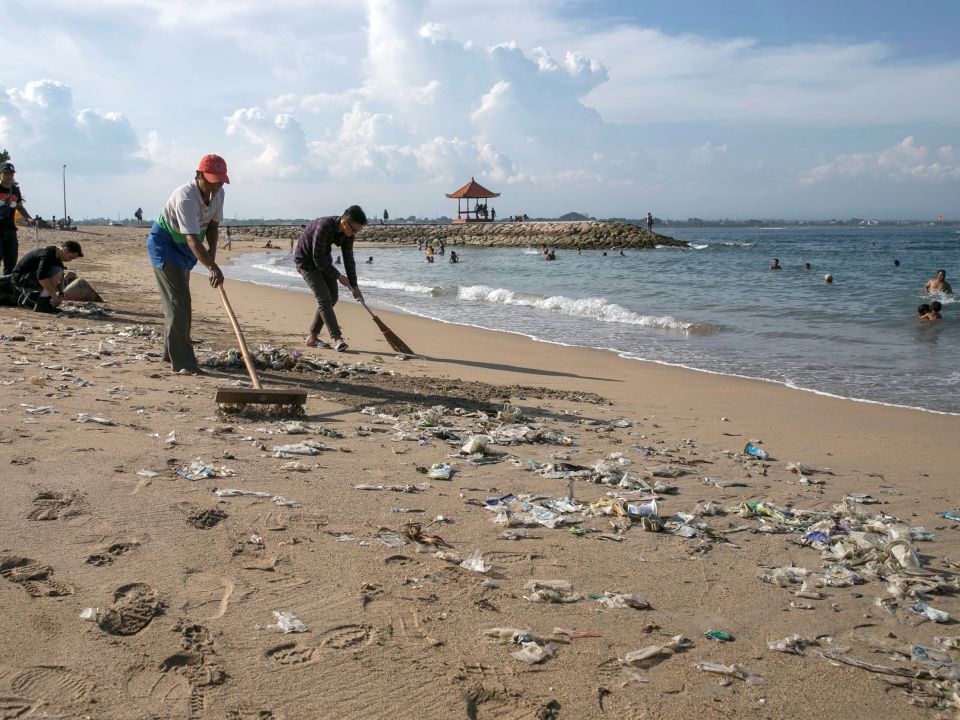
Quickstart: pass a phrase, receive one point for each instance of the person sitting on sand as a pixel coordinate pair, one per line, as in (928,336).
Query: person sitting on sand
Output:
(938,284)
(313,258)
(269,244)
(775,265)
(453,257)
(39,275)
(191,216)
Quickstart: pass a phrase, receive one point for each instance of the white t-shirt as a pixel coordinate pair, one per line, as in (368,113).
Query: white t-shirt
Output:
(187,214)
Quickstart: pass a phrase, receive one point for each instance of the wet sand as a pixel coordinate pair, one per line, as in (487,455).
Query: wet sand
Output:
(184,583)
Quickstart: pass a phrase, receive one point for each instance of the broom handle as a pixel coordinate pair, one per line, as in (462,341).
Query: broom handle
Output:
(251,369)
(367,309)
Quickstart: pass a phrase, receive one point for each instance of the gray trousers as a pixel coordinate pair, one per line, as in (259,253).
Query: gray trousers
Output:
(325,291)
(174,284)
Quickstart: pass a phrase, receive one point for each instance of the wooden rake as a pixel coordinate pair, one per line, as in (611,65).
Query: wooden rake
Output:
(256,395)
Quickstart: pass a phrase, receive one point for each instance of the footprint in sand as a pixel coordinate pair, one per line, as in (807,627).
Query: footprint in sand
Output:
(207,595)
(397,625)
(12,708)
(133,607)
(206,519)
(106,558)
(34,577)
(291,654)
(53,685)
(49,505)
(484,704)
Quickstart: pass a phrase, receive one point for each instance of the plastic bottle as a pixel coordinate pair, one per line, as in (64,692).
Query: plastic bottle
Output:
(752,449)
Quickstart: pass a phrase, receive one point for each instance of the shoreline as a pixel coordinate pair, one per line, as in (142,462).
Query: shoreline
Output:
(623,354)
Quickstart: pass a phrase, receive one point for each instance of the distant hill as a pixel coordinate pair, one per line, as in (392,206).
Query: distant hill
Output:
(573,216)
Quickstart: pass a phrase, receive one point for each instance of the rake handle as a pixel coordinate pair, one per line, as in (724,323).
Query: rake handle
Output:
(251,369)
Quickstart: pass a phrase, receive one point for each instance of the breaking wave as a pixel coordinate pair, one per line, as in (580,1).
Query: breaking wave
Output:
(593,308)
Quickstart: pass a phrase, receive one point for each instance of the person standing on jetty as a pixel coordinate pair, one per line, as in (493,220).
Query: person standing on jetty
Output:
(649,221)
(191,216)
(12,203)
(313,258)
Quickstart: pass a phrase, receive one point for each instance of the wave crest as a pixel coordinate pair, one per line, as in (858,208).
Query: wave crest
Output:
(594,308)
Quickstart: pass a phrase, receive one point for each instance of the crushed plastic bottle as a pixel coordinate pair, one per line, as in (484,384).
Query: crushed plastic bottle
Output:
(288,622)
(759,453)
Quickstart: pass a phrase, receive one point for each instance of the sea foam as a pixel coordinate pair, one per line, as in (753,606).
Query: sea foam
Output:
(593,308)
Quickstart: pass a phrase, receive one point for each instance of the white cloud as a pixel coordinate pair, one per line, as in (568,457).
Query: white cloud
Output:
(39,127)
(280,140)
(708,153)
(905,161)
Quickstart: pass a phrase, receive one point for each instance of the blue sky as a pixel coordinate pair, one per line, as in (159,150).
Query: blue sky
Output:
(745,108)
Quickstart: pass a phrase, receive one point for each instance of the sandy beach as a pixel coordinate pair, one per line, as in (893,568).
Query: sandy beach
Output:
(184,583)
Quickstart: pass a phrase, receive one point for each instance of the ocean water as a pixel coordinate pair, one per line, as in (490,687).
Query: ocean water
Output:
(716,307)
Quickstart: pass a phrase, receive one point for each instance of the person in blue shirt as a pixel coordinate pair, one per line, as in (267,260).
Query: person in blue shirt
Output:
(190,217)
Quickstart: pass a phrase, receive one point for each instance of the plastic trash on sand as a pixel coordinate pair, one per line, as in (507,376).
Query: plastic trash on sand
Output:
(89,614)
(440,471)
(735,671)
(551,591)
(792,644)
(760,454)
(533,653)
(198,471)
(476,444)
(677,642)
(288,622)
(931,613)
(615,600)
(285,451)
(84,418)
(475,563)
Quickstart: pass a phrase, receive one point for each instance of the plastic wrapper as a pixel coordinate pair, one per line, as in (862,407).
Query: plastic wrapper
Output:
(288,622)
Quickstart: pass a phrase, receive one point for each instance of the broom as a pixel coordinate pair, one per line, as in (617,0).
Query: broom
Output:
(391,337)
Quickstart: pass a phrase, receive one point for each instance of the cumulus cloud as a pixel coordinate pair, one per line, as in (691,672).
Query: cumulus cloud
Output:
(39,127)
(433,108)
(905,161)
(280,140)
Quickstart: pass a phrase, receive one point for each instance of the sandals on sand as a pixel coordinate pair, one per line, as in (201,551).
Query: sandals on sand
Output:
(340,346)
(318,343)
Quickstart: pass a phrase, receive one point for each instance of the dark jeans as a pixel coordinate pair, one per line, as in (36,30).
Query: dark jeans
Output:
(174,284)
(325,291)
(10,249)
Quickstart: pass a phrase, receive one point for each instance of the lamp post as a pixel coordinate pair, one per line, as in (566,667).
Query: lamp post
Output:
(64,193)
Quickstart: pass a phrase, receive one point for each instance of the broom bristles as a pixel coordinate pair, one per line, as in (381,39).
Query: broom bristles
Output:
(395,342)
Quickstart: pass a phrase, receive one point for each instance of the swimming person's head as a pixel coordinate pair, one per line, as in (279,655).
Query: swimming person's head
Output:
(936,306)
(923,309)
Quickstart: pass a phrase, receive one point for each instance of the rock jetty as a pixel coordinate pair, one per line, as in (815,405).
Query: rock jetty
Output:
(598,234)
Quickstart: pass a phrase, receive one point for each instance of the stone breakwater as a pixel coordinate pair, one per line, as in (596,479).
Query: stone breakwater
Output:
(596,234)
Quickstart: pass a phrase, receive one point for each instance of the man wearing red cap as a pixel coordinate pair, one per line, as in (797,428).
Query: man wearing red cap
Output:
(191,216)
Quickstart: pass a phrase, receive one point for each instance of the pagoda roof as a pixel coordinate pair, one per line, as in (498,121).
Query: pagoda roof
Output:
(473,189)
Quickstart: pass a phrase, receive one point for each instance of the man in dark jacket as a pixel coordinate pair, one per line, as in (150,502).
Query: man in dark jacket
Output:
(314,261)
(39,275)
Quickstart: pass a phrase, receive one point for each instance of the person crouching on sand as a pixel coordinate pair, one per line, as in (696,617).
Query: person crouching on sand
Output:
(191,216)
(314,261)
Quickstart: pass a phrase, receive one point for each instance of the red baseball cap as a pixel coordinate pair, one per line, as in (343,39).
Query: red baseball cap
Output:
(214,169)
